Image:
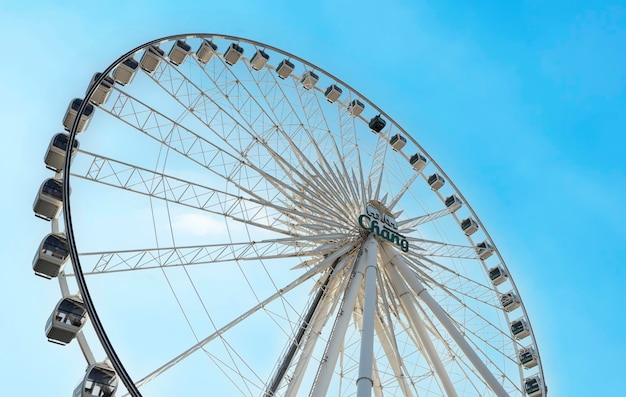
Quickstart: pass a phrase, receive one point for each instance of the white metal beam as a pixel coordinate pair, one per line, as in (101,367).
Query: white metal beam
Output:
(328,306)
(419,289)
(365,381)
(335,342)
(406,300)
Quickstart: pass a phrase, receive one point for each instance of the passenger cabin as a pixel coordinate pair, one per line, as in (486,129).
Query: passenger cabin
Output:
(418,162)
(498,275)
(469,226)
(151,58)
(484,250)
(206,51)
(100,381)
(332,93)
(533,386)
(57,149)
(528,357)
(520,328)
(51,256)
(453,203)
(259,59)
(101,94)
(125,71)
(510,301)
(377,123)
(66,320)
(436,181)
(284,68)
(356,107)
(72,113)
(179,52)
(49,199)
(233,53)
(309,79)
(397,142)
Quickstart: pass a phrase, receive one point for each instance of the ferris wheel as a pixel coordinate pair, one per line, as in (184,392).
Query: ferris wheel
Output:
(241,222)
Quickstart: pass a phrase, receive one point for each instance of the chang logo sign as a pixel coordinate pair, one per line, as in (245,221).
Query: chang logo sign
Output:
(378,220)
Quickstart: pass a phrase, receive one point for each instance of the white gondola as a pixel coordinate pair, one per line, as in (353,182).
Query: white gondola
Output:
(67,318)
(356,107)
(498,275)
(206,51)
(100,381)
(528,357)
(101,94)
(533,386)
(51,256)
(125,71)
(418,162)
(520,328)
(233,53)
(151,58)
(49,199)
(179,52)
(484,250)
(436,181)
(284,68)
(259,59)
(453,203)
(469,226)
(309,79)
(510,301)
(72,113)
(332,93)
(397,142)
(55,155)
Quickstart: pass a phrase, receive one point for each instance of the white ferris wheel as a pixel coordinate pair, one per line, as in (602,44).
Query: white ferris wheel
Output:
(242,222)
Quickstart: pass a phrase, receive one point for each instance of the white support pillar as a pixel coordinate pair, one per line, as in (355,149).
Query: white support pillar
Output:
(333,347)
(365,380)
(316,329)
(408,305)
(419,289)
(293,386)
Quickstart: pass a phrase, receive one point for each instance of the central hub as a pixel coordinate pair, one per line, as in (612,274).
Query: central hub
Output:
(378,219)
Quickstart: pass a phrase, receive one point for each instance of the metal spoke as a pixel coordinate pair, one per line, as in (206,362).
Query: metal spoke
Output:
(219,332)
(123,260)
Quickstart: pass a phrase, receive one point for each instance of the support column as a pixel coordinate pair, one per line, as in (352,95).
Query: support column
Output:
(305,326)
(365,380)
(408,305)
(337,336)
(316,329)
(419,289)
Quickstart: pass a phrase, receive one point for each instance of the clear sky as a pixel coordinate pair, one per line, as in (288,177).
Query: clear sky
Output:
(522,104)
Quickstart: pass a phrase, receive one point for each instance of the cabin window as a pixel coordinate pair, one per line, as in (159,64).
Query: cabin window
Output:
(60,141)
(70,313)
(55,247)
(53,188)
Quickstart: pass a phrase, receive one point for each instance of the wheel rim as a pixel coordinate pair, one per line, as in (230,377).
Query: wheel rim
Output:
(273,175)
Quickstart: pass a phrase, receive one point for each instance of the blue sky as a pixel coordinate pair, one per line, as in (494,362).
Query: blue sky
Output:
(521,104)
